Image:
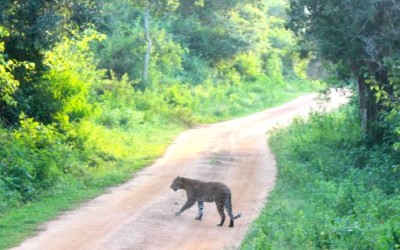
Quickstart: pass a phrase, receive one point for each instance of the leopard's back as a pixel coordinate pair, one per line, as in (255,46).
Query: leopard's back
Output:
(211,191)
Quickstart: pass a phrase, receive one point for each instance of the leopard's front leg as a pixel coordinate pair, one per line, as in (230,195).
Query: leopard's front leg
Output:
(190,202)
(200,204)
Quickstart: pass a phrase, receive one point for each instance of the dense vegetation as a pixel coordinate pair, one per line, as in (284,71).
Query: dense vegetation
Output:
(360,41)
(338,183)
(333,191)
(93,90)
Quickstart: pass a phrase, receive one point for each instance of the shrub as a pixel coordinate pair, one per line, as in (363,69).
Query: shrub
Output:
(62,95)
(333,190)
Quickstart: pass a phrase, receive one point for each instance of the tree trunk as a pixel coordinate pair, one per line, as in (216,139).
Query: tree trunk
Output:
(369,110)
(363,95)
(149,44)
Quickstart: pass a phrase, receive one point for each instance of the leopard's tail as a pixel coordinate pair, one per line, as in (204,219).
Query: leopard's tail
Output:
(238,216)
(228,206)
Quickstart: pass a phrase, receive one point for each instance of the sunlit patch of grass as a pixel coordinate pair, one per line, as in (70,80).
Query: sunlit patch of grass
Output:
(19,224)
(113,155)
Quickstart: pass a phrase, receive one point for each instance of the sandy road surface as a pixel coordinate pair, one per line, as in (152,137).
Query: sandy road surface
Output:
(140,213)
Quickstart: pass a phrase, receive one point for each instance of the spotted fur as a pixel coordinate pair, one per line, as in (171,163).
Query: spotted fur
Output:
(200,192)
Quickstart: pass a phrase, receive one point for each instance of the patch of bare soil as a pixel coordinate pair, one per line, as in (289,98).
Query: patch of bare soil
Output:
(140,214)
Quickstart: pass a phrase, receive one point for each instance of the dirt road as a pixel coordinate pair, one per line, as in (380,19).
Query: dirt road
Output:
(140,214)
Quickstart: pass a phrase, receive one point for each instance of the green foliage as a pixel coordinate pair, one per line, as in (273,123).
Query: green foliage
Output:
(77,116)
(124,50)
(333,191)
(33,156)
(358,37)
(219,35)
(250,65)
(32,159)
(34,27)
(196,70)
(222,101)
(63,92)
(8,84)
(274,67)
(364,22)
(215,45)
(191,46)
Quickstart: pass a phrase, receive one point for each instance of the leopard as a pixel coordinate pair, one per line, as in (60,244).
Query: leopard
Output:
(200,192)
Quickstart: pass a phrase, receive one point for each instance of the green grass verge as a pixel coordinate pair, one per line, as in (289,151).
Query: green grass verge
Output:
(17,224)
(333,191)
(32,214)
(226,102)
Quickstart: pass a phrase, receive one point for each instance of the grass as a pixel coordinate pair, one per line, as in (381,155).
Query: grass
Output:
(23,222)
(32,214)
(333,190)
(227,102)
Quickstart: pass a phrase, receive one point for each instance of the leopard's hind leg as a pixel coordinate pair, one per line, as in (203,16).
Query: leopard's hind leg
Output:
(220,208)
(228,207)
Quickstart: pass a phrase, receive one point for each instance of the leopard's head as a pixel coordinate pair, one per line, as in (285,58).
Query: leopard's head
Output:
(177,183)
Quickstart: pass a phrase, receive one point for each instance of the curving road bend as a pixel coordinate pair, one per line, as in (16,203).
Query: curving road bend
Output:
(140,214)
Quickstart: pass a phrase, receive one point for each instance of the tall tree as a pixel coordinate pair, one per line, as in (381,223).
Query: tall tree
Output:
(37,24)
(146,17)
(208,30)
(152,8)
(356,34)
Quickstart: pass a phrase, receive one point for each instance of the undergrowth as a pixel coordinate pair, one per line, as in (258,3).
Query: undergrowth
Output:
(333,190)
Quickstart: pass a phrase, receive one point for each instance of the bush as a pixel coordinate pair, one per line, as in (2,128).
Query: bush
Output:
(333,191)
(32,159)
(62,95)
